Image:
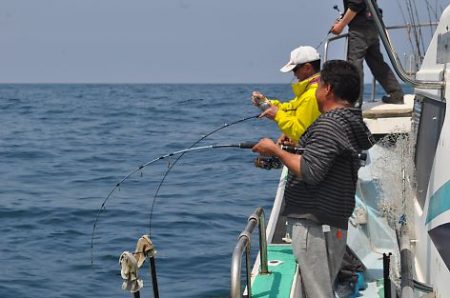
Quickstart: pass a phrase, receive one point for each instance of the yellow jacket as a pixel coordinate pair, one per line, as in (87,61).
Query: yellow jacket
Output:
(295,116)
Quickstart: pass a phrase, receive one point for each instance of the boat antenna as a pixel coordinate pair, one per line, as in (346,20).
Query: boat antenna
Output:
(138,169)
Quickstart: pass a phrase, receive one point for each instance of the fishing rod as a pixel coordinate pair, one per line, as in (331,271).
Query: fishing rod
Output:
(335,7)
(180,156)
(325,38)
(265,163)
(245,145)
(181,152)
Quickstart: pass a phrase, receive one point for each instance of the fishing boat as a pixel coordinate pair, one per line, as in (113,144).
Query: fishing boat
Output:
(398,237)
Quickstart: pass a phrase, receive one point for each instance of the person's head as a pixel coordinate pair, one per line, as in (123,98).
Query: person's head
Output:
(339,83)
(304,62)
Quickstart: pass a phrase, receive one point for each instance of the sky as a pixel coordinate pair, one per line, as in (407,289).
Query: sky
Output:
(163,41)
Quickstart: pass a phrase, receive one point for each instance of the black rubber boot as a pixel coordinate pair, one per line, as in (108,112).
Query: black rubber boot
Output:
(393,98)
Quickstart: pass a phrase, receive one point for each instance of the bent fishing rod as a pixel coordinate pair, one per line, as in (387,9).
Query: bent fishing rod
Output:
(246,145)
(158,188)
(181,152)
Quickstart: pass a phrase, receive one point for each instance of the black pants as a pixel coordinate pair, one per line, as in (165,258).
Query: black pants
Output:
(364,44)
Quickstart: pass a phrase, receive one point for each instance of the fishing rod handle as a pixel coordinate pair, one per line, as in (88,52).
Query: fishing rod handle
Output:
(290,149)
(247,145)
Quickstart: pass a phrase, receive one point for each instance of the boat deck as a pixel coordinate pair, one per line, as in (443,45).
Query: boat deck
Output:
(383,119)
(282,267)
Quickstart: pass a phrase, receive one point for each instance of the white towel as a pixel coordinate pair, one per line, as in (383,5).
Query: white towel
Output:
(130,272)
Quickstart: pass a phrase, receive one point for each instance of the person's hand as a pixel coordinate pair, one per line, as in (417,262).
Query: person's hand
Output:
(270,112)
(257,97)
(285,140)
(337,28)
(265,147)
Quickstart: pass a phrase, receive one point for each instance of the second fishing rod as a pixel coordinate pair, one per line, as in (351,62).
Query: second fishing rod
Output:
(243,145)
(177,155)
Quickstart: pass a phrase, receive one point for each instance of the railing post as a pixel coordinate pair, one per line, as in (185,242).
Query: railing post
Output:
(248,268)
(244,245)
(235,291)
(374,87)
(263,244)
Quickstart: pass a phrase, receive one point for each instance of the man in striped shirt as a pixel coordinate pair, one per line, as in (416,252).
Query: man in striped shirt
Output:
(320,191)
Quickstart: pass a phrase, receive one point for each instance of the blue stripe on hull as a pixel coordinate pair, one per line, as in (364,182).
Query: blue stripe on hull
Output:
(439,202)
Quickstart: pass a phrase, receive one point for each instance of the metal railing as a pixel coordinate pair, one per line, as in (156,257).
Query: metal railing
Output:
(243,245)
(407,27)
(382,30)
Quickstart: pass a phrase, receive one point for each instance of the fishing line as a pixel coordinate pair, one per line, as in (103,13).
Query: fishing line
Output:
(335,7)
(321,42)
(182,152)
(180,156)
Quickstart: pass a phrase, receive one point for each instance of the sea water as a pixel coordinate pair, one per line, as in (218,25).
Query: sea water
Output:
(63,148)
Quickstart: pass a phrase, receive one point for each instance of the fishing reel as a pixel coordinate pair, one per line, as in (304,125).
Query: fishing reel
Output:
(268,162)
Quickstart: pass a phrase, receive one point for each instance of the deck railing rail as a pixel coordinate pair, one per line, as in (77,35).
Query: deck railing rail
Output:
(243,246)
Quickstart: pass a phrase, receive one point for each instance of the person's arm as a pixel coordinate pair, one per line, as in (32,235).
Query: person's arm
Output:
(346,19)
(325,145)
(295,125)
(270,112)
(268,148)
(276,105)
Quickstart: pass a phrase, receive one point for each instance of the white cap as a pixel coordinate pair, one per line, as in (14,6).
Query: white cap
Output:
(300,55)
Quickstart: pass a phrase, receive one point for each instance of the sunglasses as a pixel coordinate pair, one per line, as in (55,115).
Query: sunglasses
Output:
(297,67)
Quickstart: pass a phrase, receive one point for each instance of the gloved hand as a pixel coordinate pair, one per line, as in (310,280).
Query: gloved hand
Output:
(258,98)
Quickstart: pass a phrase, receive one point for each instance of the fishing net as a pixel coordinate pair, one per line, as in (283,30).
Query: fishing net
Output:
(395,172)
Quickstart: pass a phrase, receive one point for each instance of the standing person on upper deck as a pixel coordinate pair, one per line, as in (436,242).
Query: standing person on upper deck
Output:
(364,44)
(295,116)
(320,191)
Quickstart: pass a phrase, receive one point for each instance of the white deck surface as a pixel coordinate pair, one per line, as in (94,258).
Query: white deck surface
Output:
(382,118)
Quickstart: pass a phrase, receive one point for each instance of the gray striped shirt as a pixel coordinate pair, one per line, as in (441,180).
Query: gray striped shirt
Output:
(329,168)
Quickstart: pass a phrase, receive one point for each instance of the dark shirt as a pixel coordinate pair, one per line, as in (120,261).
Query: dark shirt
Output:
(363,17)
(329,166)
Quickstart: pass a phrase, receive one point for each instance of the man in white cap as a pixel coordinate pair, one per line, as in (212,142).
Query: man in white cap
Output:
(295,116)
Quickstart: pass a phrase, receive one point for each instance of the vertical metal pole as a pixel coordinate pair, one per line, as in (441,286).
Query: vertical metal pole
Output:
(325,52)
(386,269)
(154,280)
(249,270)
(374,87)
(346,47)
(263,244)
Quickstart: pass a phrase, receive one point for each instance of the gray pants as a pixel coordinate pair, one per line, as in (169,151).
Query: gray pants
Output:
(319,255)
(364,44)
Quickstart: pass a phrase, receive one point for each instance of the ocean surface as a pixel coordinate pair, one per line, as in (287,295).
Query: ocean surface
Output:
(63,149)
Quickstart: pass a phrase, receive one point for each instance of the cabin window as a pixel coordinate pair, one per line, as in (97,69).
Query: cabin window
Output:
(428,119)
